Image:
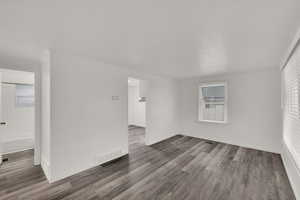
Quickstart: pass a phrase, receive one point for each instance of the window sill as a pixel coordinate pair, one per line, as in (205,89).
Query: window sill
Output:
(211,121)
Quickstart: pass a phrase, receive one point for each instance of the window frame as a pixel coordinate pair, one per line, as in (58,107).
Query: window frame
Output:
(200,101)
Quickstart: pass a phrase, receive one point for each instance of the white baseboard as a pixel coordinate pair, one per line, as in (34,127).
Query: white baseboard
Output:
(96,162)
(17,145)
(245,145)
(292,170)
(152,141)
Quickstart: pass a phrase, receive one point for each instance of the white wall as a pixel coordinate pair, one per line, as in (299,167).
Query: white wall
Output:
(162,112)
(18,134)
(131,95)
(253,110)
(136,109)
(45,113)
(87,125)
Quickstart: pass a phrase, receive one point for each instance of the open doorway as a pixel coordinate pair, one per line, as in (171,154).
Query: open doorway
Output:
(136,113)
(17,116)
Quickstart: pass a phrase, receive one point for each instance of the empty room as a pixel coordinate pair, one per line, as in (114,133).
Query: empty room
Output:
(145,100)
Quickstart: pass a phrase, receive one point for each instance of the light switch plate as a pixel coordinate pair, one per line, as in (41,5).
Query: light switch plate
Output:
(115,98)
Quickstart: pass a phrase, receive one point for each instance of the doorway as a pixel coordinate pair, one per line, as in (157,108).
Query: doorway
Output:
(17,115)
(136,113)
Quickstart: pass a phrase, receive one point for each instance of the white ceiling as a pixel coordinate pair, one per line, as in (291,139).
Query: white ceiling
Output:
(179,38)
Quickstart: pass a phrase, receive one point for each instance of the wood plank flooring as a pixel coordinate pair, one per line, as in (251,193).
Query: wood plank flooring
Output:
(136,138)
(177,168)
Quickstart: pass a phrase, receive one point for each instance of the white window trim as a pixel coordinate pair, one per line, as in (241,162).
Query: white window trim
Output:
(213,84)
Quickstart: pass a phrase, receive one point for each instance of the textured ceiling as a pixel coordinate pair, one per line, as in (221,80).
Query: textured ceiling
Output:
(169,37)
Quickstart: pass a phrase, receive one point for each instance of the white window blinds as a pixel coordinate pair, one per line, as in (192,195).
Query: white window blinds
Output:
(212,102)
(24,95)
(291,102)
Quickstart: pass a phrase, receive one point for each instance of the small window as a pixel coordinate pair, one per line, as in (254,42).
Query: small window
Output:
(24,95)
(213,103)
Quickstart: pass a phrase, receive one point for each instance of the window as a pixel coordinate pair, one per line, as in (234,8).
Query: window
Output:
(291,106)
(24,95)
(213,102)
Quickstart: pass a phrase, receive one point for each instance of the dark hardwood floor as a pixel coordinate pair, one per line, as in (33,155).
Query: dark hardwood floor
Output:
(177,168)
(136,138)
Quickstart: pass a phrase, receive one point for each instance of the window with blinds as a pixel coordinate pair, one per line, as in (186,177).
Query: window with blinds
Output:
(213,103)
(24,95)
(291,102)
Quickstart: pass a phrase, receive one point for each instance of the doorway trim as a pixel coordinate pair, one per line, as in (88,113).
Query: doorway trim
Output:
(36,69)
